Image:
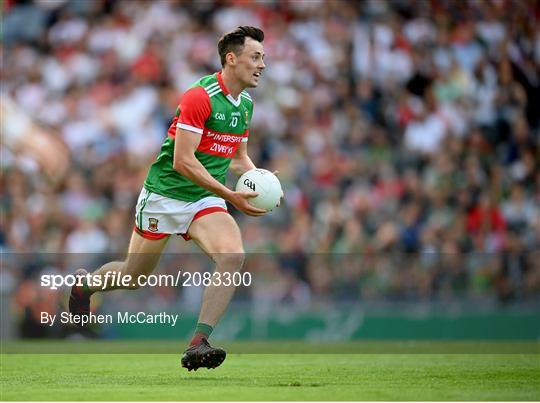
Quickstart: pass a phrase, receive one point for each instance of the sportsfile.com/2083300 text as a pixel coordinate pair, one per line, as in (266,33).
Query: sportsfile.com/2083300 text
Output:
(117,279)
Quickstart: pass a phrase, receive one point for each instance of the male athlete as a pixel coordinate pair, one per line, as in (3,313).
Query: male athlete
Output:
(184,192)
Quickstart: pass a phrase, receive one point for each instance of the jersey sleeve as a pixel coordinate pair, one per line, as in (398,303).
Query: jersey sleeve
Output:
(195,109)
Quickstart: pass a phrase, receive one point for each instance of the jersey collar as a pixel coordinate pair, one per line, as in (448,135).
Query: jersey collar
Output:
(235,102)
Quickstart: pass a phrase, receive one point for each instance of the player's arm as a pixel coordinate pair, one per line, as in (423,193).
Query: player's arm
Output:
(241,162)
(189,166)
(195,109)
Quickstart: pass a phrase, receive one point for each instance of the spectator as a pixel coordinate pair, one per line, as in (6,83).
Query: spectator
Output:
(395,128)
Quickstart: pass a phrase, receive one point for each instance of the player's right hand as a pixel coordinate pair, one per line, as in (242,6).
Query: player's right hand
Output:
(240,200)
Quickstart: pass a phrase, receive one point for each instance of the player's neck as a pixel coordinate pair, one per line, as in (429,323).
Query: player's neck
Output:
(232,85)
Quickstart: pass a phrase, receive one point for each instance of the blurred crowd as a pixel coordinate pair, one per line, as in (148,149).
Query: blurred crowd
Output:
(406,135)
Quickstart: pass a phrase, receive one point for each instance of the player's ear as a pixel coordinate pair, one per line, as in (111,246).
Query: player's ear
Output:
(231,58)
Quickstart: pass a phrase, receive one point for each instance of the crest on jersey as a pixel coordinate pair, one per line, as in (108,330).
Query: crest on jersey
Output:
(152,224)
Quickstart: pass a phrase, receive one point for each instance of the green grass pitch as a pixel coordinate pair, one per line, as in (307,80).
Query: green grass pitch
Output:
(359,371)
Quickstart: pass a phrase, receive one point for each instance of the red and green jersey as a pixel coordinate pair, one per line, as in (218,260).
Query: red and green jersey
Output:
(209,110)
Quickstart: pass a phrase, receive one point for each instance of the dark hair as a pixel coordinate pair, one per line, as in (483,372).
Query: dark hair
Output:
(234,41)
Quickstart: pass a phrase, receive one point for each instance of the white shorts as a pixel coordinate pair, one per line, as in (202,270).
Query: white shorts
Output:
(157,216)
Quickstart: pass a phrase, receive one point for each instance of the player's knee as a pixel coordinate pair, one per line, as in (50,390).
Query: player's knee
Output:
(133,286)
(136,282)
(135,276)
(138,271)
(230,257)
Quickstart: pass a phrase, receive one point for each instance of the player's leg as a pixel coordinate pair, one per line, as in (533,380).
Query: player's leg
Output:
(143,256)
(144,251)
(219,236)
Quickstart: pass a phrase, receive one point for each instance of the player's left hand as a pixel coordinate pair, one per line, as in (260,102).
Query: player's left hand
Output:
(282,194)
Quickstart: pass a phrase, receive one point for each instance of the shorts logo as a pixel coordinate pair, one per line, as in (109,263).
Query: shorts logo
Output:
(152,224)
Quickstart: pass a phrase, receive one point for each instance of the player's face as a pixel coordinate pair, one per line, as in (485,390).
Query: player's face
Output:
(250,63)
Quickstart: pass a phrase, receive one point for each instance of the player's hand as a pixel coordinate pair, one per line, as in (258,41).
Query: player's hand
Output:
(240,200)
(282,194)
